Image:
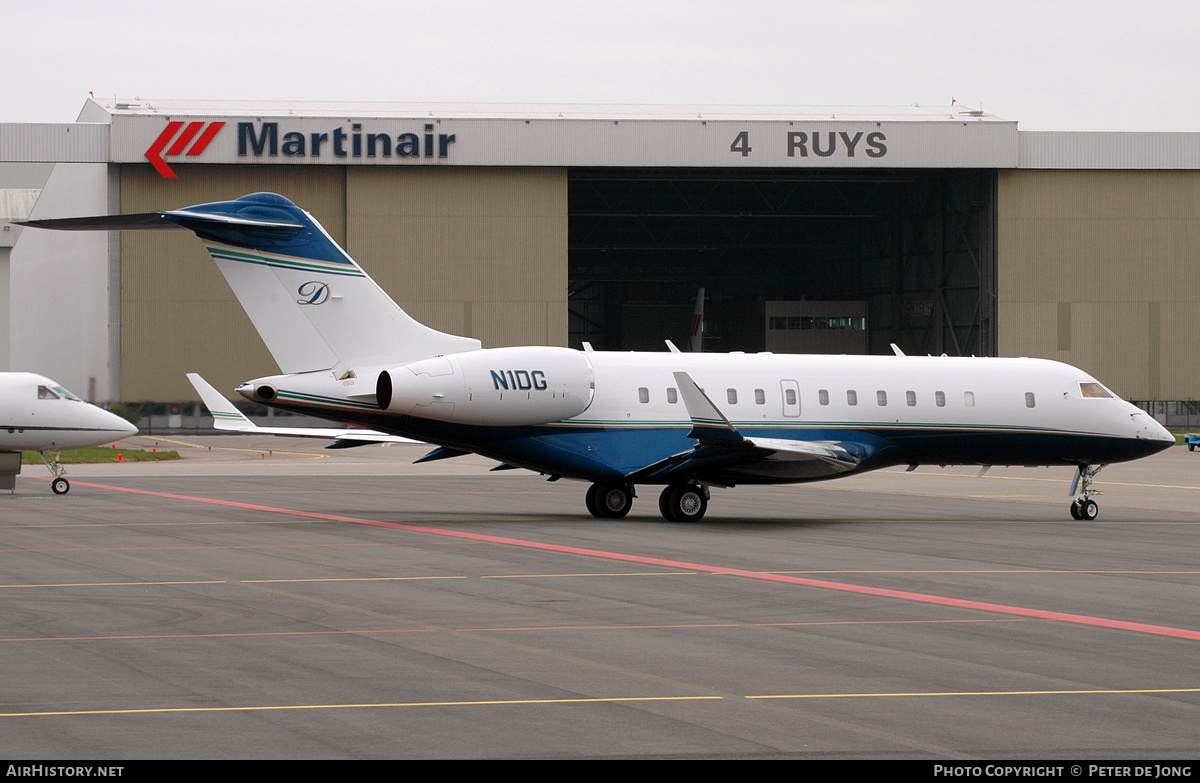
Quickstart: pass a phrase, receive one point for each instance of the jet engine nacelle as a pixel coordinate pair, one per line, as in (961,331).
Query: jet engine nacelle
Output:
(495,386)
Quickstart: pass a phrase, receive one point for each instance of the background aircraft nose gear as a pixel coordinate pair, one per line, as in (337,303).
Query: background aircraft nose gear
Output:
(1083,507)
(60,485)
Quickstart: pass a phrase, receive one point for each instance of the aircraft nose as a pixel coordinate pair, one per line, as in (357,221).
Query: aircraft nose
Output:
(1150,429)
(114,422)
(1159,432)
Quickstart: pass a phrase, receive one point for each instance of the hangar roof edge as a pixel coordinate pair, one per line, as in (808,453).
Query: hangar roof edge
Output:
(566,111)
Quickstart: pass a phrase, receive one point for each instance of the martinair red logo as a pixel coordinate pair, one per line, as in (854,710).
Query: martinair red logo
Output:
(156,152)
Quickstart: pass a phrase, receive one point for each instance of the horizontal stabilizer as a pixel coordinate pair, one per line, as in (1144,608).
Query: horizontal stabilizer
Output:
(138,221)
(231,227)
(227,417)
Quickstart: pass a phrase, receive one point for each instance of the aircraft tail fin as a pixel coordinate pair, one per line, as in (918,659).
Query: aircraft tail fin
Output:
(314,307)
(696,338)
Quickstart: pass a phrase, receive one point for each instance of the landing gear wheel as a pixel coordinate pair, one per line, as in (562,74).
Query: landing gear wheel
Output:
(664,504)
(609,501)
(686,503)
(1084,508)
(590,500)
(60,486)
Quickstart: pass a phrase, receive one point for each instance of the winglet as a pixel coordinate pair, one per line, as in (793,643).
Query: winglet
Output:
(707,420)
(897,350)
(225,415)
(671,347)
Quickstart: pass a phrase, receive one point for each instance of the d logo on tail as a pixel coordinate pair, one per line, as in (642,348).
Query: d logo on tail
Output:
(314,293)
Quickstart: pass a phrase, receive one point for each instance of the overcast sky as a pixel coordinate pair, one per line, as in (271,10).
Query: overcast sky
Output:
(1049,65)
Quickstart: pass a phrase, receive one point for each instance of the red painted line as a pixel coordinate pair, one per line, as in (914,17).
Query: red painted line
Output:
(878,592)
(191,130)
(202,142)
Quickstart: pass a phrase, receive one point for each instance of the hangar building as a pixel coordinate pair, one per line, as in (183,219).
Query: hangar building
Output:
(842,229)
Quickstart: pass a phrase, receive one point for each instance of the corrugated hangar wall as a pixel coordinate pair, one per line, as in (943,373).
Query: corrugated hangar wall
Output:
(1101,269)
(480,252)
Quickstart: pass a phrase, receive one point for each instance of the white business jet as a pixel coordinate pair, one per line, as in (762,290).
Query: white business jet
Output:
(685,421)
(36,414)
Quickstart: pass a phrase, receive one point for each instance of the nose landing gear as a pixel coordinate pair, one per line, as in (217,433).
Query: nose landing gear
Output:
(59,485)
(1083,507)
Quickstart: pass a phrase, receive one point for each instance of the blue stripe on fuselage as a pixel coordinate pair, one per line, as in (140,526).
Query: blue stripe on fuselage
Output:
(613,451)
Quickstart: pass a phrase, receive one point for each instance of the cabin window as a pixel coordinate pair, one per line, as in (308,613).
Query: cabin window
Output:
(939,399)
(1089,389)
(760,397)
(789,396)
(643,394)
(910,398)
(672,395)
(881,398)
(851,397)
(969,399)
(823,396)
(1029,400)
(731,396)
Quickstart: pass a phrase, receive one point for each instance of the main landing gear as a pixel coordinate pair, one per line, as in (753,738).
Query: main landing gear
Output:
(1083,507)
(59,485)
(610,501)
(684,502)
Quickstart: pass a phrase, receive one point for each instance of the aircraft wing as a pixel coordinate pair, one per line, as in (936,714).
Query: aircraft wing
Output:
(721,449)
(229,418)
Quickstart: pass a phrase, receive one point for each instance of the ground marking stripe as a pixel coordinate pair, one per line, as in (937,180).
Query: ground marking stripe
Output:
(116,584)
(1082,692)
(531,628)
(582,700)
(232,635)
(364,706)
(349,579)
(687,626)
(878,592)
(575,576)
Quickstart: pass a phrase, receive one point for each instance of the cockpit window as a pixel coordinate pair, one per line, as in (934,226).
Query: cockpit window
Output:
(1090,389)
(44,393)
(66,394)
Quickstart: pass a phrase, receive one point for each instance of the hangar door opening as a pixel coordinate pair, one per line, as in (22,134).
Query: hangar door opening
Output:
(914,250)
